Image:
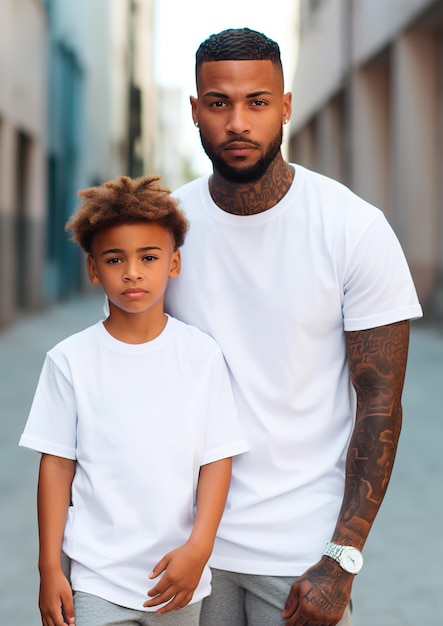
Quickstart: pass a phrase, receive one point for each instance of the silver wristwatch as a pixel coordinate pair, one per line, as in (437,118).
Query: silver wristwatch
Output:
(349,558)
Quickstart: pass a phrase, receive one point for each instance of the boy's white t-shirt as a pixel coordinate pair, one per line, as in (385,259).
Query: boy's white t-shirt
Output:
(277,290)
(140,420)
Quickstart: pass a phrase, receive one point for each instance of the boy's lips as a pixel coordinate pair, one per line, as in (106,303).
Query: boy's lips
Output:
(133,293)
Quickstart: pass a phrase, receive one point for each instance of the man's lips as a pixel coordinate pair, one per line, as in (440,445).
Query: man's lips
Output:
(240,148)
(239,145)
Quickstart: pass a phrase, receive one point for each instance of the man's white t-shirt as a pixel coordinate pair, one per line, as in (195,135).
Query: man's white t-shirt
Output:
(277,290)
(139,420)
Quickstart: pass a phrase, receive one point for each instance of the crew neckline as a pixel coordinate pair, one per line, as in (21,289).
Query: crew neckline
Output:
(147,346)
(257,218)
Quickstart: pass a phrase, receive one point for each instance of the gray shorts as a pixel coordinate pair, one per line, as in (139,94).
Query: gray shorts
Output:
(249,600)
(91,610)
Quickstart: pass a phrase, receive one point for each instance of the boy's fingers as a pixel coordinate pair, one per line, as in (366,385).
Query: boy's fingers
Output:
(159,567)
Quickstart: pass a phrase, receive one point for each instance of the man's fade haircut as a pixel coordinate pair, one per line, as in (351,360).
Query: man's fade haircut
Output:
(238,44)
(126,201)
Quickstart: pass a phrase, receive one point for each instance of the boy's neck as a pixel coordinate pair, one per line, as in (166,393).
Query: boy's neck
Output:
(134,328)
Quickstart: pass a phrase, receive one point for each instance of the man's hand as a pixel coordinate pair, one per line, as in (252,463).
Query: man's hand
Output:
(320,596)
(55,602)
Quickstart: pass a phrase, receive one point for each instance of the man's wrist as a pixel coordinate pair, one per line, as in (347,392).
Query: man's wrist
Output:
(349,558)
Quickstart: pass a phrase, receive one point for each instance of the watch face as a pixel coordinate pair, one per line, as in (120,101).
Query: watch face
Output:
(351,560)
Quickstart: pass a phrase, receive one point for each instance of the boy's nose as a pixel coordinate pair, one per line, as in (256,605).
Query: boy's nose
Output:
(132,273)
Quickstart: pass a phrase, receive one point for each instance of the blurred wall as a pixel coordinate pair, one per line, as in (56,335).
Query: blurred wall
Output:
(23,144)
(368,110)
(77,107)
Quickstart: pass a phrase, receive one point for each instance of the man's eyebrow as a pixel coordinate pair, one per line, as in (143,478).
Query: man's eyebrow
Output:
(224,96)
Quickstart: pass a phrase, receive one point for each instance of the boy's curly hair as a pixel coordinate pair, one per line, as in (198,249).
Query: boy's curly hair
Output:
(126,201)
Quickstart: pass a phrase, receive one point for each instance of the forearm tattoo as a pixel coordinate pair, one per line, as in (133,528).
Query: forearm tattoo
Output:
(377,361)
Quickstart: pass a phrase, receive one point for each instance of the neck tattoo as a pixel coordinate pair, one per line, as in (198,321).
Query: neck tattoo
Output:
(252,198)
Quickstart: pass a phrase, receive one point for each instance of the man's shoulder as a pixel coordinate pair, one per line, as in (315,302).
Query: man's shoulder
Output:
(334,199)
(190,189)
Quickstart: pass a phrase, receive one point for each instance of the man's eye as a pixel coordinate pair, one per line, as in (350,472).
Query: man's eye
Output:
(218,104)
(258,103)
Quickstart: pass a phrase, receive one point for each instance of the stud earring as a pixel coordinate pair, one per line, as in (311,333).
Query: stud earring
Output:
(196,124)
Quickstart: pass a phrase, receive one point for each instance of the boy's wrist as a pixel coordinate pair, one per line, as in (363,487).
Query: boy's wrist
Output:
(201,545)
(49,567)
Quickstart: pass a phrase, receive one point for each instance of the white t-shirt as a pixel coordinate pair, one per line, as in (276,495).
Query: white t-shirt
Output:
(140,420)
(277,290)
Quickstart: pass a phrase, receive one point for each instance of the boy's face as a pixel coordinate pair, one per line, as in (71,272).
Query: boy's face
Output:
(133,263)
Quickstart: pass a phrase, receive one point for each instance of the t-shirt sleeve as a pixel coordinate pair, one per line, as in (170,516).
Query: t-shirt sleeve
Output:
(224,437)
(51,424)
(378,287)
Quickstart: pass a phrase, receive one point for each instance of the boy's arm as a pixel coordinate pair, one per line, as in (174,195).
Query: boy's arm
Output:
(53,500)
(182,568)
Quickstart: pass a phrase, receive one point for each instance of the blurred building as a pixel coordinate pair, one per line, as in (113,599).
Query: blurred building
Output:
(77,107)
(368,110)
(23,151)
(101,110)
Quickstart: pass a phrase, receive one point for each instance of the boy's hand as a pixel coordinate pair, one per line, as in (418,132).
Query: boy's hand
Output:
(55,601)
(182,569)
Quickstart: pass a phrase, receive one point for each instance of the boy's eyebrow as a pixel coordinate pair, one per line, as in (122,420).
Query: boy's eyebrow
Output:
(121,250)
(224,96)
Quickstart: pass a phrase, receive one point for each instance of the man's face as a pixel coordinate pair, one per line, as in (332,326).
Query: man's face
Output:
(240,110)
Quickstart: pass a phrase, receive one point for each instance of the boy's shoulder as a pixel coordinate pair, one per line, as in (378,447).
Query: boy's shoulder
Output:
(77,341)
(196,337)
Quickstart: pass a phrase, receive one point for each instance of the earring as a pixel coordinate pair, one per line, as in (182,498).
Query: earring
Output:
(196,124)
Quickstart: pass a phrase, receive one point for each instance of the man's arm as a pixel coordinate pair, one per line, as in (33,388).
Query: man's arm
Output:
(53,499)
(182,568)
(377,362)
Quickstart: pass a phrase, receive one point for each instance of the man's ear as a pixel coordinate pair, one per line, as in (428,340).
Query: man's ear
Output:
(92,271)
(193,102)
(287,106)
(176,263)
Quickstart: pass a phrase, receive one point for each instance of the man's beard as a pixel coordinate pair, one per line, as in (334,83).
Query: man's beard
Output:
(243,175)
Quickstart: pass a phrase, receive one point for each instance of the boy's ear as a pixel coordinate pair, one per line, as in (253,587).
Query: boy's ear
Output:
(176,262)
(92,271)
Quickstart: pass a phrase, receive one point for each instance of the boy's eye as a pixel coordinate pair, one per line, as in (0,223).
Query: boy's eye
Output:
(149,257)
(113,260)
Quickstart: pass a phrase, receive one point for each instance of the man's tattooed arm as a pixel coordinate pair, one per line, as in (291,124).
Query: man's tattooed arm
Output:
(377,362)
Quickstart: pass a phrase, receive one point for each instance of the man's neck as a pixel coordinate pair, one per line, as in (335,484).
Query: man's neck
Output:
(252,198)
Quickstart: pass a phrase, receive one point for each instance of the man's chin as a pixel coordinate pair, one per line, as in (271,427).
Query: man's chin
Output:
(240,174)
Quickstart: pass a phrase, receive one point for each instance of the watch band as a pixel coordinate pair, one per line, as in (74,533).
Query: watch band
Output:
(334,550)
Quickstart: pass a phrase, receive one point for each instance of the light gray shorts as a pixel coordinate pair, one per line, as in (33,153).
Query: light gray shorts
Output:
(91,610)
(249,600)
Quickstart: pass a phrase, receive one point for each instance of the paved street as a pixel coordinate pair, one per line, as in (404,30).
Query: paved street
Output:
(401,582)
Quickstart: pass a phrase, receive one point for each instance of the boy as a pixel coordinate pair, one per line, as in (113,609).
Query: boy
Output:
(136,423)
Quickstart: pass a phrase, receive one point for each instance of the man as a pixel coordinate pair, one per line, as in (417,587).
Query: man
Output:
(306,289)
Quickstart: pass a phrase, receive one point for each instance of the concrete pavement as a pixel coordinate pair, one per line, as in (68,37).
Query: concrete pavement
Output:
(401,581)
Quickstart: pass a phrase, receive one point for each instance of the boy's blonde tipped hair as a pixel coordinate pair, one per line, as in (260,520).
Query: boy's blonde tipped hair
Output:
(125,200)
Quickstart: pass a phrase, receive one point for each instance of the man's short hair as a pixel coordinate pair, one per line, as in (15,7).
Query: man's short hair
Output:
(238,44)
(126,201)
